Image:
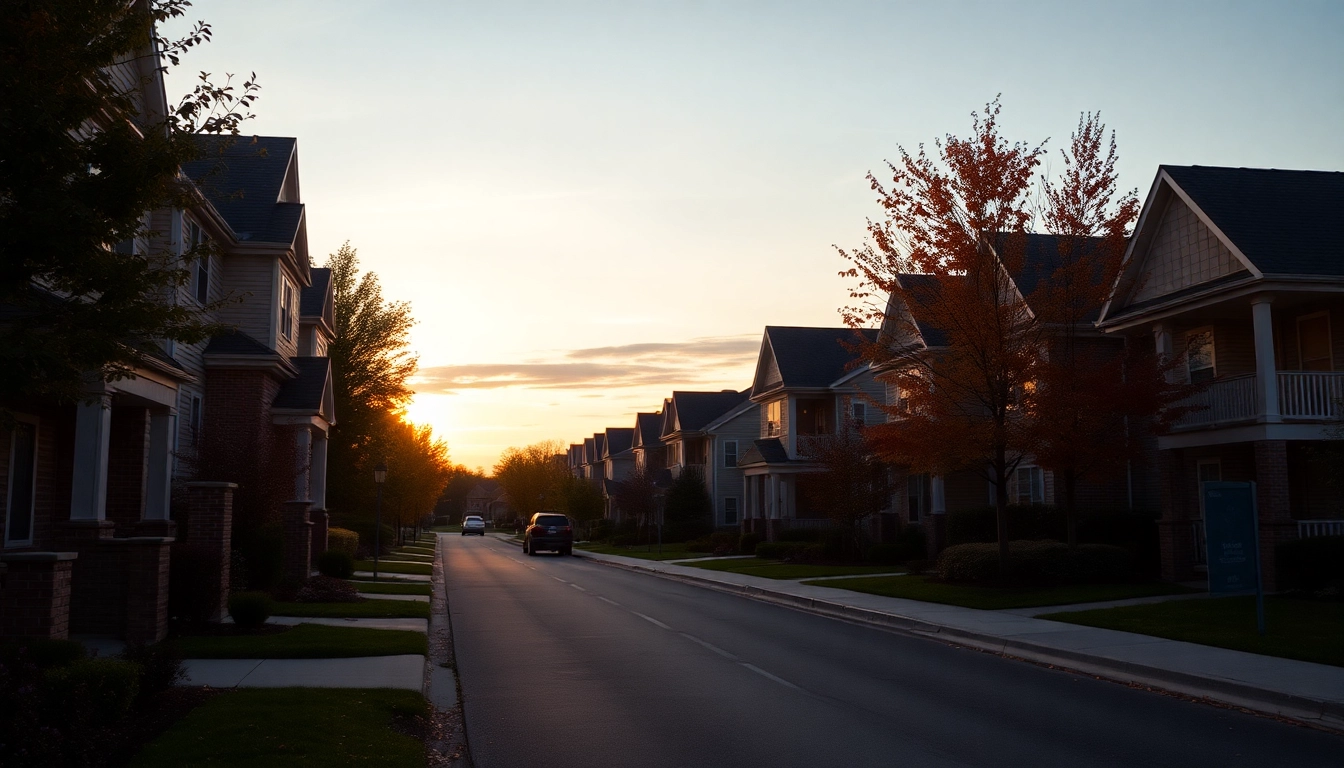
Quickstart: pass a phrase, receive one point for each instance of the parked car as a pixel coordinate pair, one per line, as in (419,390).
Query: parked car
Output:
(549,530)
(473,524)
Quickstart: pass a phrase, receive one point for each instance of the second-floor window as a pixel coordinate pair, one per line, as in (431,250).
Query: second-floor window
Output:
(1313,342)
(674,454)
(197,239)
(730,453)
(1027,486)
(287,310)
(860,413)
(918,496)
(773,411)
(1199,355)
(195,420)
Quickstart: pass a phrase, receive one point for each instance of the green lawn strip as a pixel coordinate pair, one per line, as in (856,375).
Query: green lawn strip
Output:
(391,588)
(670,551)
(773,569)
(305,641)
(384,578)
(369,609)
(292,727)
(395,566)
(403,558)
(997,598)
(1306,630)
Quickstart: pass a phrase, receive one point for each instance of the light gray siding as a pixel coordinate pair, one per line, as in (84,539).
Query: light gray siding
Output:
(728,481)
(250,279)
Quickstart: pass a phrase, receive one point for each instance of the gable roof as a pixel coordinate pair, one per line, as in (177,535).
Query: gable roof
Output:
(236,343)
(618,440)
(243,179)
(648,429)
(310,390)
(767,451)
(810,358)
(315,300)
(692,411)
(1284,222)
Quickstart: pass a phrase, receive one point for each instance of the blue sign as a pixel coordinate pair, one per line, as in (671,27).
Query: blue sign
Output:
(1232,537)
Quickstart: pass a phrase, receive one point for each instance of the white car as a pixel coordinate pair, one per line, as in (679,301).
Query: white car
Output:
(473,524)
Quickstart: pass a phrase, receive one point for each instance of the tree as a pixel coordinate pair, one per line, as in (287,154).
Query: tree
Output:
(852,484)
(453,501)
(636,497)
(418,471)
(371,364)
(533,476)
(581,499)
(87,150)
(688,511)
(959,219)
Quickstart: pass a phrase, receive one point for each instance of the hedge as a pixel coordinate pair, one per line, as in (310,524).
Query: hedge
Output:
(1035,562)
(1312,565)
(1136,532)
(343,540)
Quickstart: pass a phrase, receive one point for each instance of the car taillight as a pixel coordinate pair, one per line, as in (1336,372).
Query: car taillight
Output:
(566,529)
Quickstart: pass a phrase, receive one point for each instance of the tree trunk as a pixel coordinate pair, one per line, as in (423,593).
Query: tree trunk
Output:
(1070,509)
(1001,507)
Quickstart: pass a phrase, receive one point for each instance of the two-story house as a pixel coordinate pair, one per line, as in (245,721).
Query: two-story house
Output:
(708,431)
(807,380)
(650,454)
(1240,272)
(618,460)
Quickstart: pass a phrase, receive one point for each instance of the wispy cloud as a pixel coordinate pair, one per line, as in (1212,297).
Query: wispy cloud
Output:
(697,361)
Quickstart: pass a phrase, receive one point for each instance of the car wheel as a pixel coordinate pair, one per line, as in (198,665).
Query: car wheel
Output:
(528,550)
(567,552)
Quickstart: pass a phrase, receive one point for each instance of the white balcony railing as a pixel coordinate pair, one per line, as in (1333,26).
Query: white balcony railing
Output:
(1308,528)
(1311,394)
(1225,400)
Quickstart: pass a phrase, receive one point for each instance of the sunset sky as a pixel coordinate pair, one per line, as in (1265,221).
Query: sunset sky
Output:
(589,205)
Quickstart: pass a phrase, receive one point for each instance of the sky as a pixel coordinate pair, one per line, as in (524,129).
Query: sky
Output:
(589,205)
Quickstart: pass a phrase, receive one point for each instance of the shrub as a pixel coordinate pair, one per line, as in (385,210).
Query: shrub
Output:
(747,542)
(326,589)
(702,544)
(343,540)
(1034,562)
(801,534)
(250,609)
(45,653)
(337,564)
(104,688)
(193,582)
(623,539)
(917,567)
(600,530)
(160,666)
(789,550)
(1314,564)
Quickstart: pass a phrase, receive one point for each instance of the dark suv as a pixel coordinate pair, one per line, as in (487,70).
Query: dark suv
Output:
(549,530)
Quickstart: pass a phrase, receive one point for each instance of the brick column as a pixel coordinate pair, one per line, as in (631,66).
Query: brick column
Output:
(35,599)
(298,531)
(1272,505)
(147,589)
(210,525)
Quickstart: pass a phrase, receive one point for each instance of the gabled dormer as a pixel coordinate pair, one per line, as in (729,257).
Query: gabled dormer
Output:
(317,317)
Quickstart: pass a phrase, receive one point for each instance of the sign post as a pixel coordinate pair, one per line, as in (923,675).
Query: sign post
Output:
(1232,535)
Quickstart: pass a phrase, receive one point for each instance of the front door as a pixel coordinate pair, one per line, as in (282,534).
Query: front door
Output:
(1206,471)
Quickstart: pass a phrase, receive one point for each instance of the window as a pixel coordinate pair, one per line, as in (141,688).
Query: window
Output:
(22,484)
(1313,342)
(918,495)
(730,511)
(673,454)
(1199,355)
(772,418)
(860,413)
(1027,486)
(1207,471)
(195,422)
(730,453)
(287,310)
(196,239)
(813,418)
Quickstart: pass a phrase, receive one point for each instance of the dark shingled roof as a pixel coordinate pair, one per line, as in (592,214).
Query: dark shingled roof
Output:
(305,391)
(599,444)
(242,180)
(236,343)
(918,287)
(1285,222)
(650,427)
(814,357)
(619,439)
(767,451)
(313,299)
(696,409)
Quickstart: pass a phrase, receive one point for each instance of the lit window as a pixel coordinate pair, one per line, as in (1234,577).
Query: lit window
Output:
(772,418)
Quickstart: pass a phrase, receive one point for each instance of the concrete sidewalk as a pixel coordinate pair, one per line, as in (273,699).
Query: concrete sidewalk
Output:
(1297,689)
(406,672)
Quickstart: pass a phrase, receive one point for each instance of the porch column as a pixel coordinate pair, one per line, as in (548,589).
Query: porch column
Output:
(937,495)
(318,477)
(159,474)
(1162,343)
(303,453)
(88,492)
(1266,378)
(937,525)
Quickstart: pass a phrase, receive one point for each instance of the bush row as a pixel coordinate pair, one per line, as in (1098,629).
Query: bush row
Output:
(1136,532)
(1045,562)
(1314,565)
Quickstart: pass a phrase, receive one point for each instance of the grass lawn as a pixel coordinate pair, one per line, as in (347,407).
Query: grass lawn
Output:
(292,727)
(369,609)
(395,566)
(407,557)
(392,588)
(1294,629)
(774,569)
(306,641)
(670,551)
(995,598)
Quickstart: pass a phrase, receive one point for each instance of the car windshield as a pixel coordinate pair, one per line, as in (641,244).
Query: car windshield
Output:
(473,520)
(552,520)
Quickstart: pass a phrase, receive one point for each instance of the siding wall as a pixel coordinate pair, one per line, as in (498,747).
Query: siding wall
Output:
(250,278)
(728,481)
(1183,253)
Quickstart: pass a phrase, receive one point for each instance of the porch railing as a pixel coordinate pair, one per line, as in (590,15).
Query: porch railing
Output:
(1310,394)
(809,523)
(1309,528)
(1230,399)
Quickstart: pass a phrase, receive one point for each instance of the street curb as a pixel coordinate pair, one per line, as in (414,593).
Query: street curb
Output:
(1323,714)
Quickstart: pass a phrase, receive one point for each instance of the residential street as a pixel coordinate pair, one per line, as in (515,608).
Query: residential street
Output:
(564,662)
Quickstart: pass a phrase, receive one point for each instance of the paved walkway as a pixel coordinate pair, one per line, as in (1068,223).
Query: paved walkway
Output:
(363,672)
(394,577)
(414,625)
(1297,689)
(381,596)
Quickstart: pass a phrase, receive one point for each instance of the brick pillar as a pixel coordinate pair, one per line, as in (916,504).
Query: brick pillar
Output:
(1272,505)
(35,598)
(321,522)
(210,525)
(1175,537)
(147,589)
(127,463)
(298,530)
(773,527)
(96,591)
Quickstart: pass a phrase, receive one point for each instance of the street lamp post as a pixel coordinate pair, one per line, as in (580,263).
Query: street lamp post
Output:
(379,475)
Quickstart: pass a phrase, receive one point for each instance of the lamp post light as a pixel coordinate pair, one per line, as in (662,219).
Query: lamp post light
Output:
(379,475)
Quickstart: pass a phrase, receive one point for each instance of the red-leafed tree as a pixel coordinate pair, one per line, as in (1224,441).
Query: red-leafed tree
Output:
(958,219)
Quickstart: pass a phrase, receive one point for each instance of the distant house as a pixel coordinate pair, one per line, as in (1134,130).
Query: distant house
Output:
(650,453)
(1241,271)
(489,501)
(807,380)
(618,461)
(708,431)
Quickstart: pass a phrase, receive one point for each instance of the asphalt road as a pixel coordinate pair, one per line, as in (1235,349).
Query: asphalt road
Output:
(565,663)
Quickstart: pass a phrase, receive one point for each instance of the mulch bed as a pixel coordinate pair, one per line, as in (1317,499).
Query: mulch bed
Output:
(147,722)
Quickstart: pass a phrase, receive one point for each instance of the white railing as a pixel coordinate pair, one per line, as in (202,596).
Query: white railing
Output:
(1230,399)
(810,523)
(1311,394)
(1309,528)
